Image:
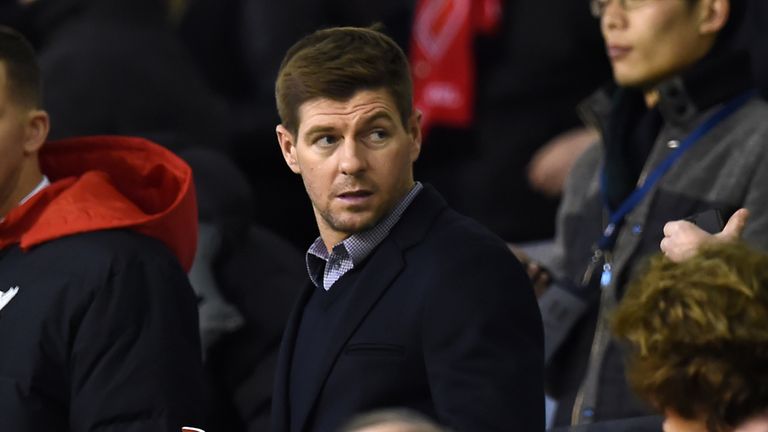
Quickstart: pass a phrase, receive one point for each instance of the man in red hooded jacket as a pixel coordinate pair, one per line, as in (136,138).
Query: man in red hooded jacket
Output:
(98,324)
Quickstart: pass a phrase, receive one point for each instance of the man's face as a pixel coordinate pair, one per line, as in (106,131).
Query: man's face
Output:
(395,426)
(653,42)
(673,422)
(13,122)
(355,158)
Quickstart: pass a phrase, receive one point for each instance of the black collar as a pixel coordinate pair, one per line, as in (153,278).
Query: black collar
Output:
(721,75)
(714,80)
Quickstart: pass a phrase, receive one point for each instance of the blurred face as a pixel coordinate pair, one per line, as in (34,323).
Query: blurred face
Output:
(12,131)
(657,39)
(674,423)
(355,158)
(397,427)
(758,423)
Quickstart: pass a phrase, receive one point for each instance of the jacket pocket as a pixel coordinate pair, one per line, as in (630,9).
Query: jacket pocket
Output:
(374,350)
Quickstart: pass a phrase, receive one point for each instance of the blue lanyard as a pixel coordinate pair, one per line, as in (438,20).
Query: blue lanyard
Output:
(609,233)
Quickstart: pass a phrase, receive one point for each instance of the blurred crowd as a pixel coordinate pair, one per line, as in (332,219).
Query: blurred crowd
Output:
(198,78)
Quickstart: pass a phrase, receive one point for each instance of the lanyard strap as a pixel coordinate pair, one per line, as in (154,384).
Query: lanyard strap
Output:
(609,234)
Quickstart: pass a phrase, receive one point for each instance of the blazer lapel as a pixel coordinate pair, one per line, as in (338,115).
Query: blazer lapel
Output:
(378,274)
(418,218)
(280,402)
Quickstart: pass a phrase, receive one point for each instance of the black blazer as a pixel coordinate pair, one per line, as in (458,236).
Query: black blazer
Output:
(443,320)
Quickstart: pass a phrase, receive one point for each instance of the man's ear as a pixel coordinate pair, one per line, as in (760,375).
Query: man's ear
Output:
(414,130)
(288,143)
(38,125)
(713,15)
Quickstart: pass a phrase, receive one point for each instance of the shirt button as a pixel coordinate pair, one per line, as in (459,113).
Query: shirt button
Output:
(673,144)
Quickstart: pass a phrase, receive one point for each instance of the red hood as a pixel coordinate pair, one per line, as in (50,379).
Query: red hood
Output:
(106,182)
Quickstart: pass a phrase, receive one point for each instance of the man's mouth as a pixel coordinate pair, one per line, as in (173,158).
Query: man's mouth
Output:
(617,52)
(355,196)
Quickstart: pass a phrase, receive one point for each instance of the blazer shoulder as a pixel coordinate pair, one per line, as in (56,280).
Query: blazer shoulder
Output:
(453,228)
(437,234)
(456,247)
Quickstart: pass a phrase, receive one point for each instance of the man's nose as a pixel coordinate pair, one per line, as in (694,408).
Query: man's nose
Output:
(613,16)
(352,158)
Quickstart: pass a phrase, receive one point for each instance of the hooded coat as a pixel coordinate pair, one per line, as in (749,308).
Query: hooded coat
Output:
(98,324)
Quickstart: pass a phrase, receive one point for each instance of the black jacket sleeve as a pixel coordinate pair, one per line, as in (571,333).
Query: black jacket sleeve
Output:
(135,361)
(483,343)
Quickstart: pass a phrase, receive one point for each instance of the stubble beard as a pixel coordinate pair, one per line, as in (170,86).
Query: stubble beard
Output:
(338,224)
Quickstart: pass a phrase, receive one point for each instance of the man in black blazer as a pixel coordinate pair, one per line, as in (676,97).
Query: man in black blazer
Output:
(410,304)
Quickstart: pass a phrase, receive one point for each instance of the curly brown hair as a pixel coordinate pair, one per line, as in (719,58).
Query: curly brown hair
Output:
(699,335)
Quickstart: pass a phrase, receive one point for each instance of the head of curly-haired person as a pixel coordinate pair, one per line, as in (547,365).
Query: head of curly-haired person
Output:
(391,420)
(699,337)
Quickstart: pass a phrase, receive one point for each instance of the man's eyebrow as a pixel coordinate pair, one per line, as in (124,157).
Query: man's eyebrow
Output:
(379,115)
(319,129)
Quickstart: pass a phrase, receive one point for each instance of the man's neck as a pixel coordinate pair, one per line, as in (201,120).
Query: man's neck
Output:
(651,97)
(29,178)
(332,241)
(331,238)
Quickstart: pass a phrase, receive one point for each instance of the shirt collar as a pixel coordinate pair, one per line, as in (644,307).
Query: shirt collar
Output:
(715,79)
(358,246)
(44,183)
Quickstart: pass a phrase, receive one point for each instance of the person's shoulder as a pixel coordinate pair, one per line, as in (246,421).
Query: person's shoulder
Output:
(78,266)
(746,131)
(454,235)
(460,256)
(105,248)
(754,112)
(434,232)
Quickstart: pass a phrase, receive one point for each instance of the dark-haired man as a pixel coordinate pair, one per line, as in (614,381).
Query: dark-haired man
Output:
(410,304)
(683,135)
(98,324)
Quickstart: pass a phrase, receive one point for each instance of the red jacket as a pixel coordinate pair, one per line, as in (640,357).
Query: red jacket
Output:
(101,183)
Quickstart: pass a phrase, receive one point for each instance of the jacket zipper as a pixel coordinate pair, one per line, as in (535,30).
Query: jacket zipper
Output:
(595,359)
(599,341)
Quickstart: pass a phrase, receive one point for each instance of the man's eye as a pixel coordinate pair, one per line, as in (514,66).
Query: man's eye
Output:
(326,141)
(378,136)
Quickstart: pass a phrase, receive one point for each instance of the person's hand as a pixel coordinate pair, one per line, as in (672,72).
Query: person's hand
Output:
(540,277)
(682,238)
(550,165)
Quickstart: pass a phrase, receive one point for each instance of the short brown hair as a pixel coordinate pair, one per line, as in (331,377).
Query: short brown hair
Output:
(699,333)
(336,63)
(21,67)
